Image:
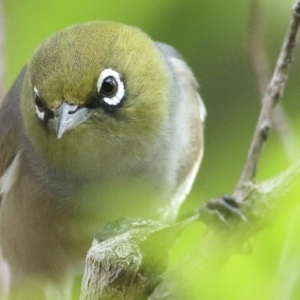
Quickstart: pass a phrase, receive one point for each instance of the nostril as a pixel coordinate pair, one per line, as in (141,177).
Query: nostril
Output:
(72,108)
(70,112)
(64,110)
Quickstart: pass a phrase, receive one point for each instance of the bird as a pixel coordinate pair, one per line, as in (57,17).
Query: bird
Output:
(102,123)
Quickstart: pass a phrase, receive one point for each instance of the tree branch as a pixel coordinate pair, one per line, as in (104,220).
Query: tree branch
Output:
(261,67)
(115,267)
(273,94)
(127,259)
(287,274)
(219,243)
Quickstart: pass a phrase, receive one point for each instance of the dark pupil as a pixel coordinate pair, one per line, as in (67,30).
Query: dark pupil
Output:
(39,102)
(109,87)
(42,108)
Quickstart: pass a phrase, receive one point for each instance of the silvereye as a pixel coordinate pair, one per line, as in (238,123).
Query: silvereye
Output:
(101,124)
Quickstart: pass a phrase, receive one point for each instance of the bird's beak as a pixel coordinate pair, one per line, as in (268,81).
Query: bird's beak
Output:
(68,116)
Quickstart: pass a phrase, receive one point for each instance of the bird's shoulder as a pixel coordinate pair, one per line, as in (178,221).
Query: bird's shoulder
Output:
(10,128)
(183,76)
(188,113)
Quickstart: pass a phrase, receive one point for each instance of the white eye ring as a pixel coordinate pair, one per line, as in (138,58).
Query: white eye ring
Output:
(35,90)
(117,98)
(40,114)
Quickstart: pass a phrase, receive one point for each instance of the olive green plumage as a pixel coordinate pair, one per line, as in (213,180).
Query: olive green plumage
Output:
(101,124)
(70,63)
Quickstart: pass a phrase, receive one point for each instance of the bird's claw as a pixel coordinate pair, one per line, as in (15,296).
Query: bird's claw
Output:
(224,209)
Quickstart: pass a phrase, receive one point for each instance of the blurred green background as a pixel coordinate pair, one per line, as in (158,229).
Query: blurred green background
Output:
(212,37)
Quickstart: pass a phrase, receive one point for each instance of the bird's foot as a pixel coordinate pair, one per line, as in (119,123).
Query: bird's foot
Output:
(225,209)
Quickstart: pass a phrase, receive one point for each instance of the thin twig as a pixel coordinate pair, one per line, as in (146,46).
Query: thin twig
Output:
(261,66)
(288,273)
(274,93)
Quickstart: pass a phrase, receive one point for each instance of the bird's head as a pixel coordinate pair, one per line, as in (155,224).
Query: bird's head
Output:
(95,92)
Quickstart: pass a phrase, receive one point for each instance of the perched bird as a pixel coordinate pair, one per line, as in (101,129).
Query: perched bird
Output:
(102,123)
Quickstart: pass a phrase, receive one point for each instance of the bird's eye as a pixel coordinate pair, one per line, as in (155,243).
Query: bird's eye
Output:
(41,109)
(110,87)
(38,101)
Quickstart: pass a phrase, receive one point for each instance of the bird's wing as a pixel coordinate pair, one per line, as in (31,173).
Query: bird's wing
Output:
(191,113)
(10,129)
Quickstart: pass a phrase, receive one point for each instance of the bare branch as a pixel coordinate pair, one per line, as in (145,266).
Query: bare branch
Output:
(287,274)
(274,93)
(260,201)
(261,67)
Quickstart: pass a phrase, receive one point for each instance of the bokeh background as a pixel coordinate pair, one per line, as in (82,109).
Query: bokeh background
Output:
(212,37)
